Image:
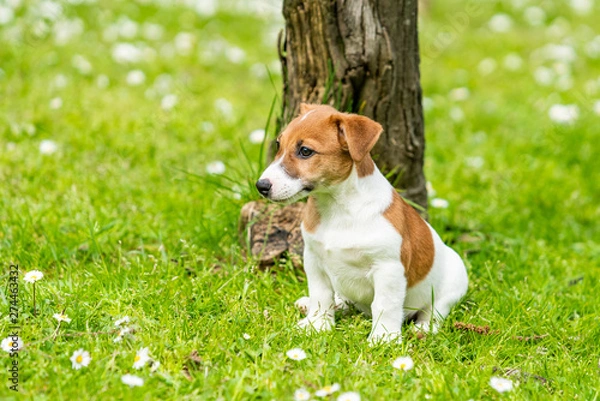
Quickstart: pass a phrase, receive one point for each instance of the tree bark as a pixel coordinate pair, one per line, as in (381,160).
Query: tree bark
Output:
(361,56)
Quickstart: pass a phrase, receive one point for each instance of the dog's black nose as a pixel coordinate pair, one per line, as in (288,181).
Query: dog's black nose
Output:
(264,186)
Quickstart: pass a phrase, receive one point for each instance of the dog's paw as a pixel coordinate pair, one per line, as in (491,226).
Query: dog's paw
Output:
(385,337)
(317,324)
(341,305)
(422,328)
(302,304)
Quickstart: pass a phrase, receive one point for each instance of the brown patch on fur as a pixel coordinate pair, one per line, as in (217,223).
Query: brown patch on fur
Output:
(365,167)
(311,218)
(417,249)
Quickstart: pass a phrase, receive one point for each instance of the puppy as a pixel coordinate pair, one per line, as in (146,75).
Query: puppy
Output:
(364,245)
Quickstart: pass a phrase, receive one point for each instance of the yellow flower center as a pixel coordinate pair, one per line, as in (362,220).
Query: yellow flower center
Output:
(137,358)
(402,365)
(79,358)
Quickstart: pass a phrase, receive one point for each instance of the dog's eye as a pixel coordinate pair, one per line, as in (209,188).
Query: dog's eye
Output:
(277,144)
(305,152)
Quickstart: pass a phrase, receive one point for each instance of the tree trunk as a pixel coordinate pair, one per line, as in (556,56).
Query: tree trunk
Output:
(361,56)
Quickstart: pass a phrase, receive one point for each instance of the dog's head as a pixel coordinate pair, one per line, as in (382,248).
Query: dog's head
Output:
(317,150)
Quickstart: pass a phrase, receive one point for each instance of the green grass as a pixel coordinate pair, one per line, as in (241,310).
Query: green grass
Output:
(124,220)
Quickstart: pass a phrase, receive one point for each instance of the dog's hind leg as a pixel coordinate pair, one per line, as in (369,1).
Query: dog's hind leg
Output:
(453,288)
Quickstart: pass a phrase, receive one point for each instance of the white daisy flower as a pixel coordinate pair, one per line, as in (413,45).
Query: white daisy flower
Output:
(327,390)
(56,103)
(141,358)
(124,53)
(535,16)
(163,83)
(475,162)
(66,29)
(486,66)
(6,14)
(246,336)
(500,23)
(184,43)
(168,101)
(275,67)
(48,147)
(124,319)
(501,384)
(559,53)
(301,395)
(564,113)
(50,10)
(152,31)
(297,354)
(403,363)
(235,54)
(135,77)
(206,8)
(127,28)
(459,94)
(257,136)
(582,7)
(60,81)
(80,358)
(597,107)
(349,396)
(439,203)
(224,107)
(81,64)
(543,75)
(9,345)
(428,103)
(207,126)
(61,317)
(216,167)
(457,114)
(33,275)
(132,380)
(592,47)
(258,70)
(513,62)
(430,189)
(121,334)
(102,81)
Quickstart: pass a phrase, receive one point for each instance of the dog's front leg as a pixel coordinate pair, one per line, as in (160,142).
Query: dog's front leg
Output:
(388,302)
(321,306)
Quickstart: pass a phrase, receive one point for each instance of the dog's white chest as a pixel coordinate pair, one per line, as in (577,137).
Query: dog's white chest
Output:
(348,250)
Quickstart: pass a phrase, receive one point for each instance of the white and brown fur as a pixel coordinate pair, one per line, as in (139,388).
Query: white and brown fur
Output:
(364,245)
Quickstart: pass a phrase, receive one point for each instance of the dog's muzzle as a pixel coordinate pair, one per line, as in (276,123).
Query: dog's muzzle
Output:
(264,187)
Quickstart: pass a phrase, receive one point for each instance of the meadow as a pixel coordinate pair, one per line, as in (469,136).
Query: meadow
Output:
(130,137)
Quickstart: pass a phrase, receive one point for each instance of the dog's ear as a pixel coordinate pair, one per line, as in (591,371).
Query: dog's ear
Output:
(357,134)
(305,107)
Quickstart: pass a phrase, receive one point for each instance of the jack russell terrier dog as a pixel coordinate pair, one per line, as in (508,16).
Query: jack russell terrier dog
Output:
(364,245)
